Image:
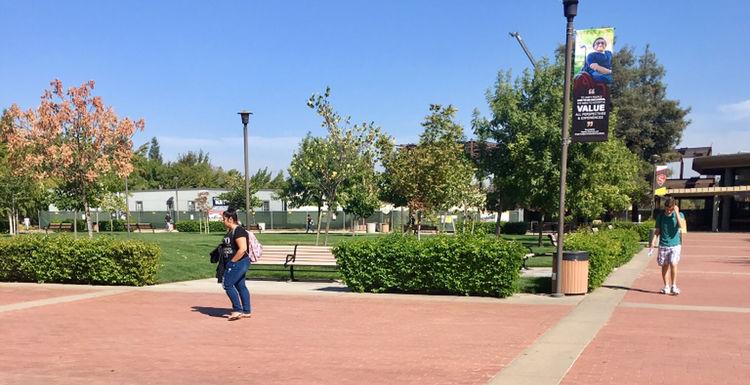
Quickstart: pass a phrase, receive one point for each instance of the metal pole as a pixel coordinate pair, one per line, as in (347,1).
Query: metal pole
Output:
(176,204)
(523,46)
(653,193)
(570,10)
(127,206)
(247,179)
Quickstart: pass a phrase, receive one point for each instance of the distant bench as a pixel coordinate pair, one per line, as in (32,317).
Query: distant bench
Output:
(422,228)
(59,227)
(142,226)
(254,227)
(552,239)
(297,255)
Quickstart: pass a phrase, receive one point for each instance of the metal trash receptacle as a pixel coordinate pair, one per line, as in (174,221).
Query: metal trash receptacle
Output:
(575,272)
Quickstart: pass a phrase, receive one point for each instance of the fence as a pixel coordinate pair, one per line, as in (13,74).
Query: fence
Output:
(271,219)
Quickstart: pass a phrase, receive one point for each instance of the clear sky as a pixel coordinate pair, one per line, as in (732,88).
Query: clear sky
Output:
(187,67)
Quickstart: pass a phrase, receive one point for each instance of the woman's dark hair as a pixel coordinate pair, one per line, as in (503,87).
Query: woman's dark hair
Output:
(230,213)
(598,39)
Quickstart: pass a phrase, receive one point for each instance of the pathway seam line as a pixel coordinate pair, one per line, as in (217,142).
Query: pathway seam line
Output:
(56,300)
(550,357)
(703,308)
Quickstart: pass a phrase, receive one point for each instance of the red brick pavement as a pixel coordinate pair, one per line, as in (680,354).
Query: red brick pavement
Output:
(666,346)
(165,338)
(9,295)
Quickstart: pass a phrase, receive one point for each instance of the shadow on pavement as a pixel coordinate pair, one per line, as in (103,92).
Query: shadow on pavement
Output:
(631,289)
(335,289)
(213,311)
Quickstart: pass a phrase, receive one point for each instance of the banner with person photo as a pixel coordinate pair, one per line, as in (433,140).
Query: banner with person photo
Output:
(661,173)
(592,75)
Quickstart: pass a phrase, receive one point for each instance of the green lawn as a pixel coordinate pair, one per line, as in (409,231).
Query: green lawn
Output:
(185,255)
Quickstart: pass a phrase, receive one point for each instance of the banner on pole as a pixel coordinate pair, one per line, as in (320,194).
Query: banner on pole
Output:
(593,75)
(660,180)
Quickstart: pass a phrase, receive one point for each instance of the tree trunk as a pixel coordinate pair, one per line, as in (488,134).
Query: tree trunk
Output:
(317,232)
(10,223)
(75,223)
(634,213)
(111,223)
(498,225)
(89,224)
(541,226)
(328,225)
(419,225)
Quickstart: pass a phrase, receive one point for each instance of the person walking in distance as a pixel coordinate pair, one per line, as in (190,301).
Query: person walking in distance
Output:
(308,228)
(237,263)
(668,229)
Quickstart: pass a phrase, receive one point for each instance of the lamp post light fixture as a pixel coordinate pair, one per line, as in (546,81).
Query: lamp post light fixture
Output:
(570,9)
(245,115)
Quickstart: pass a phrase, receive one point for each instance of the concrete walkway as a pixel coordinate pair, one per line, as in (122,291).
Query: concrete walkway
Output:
(320,333)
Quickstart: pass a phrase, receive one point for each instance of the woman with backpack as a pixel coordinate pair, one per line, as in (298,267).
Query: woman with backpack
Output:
(235,246)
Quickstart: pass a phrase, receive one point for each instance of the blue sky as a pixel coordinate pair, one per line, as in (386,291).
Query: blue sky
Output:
(187,67)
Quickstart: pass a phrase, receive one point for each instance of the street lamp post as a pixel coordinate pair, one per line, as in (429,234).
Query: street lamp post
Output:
(176,202)
(570,9)
(654,160)
(245,115)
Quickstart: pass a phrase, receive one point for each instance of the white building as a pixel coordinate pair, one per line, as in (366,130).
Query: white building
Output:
(184,200)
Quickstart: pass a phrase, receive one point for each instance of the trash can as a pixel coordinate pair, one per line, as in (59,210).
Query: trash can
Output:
(370,228)
(575,272)
(384,228)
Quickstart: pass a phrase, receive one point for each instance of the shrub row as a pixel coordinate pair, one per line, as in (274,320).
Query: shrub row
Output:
(117,225)
(643,229)
(607,250)
(518,228)
(194,226)
(64,259)
(462,264)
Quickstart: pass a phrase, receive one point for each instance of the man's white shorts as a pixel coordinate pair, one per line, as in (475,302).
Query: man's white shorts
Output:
(669,255)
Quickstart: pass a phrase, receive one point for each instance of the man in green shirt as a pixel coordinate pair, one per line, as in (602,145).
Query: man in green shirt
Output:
(668,229)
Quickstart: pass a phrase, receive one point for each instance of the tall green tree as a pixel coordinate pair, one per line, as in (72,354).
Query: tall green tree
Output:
(434,175)
(523,136)
(324,167)
(154,152)
(235,197)
(647,120)
(522,151)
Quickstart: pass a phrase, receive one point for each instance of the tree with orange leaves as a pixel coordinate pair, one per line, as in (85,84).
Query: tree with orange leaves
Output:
(73,139)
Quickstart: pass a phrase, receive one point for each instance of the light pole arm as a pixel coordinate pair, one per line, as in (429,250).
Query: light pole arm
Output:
(524,47)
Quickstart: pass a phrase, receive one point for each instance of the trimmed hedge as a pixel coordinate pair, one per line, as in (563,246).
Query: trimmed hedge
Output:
(64,259)
(607,250)
(517,228)
(194,226)
(643,229)
(487,228)
(117,225)
(462,264)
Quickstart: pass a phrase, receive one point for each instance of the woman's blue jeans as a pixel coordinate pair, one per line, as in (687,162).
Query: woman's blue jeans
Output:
(234,285)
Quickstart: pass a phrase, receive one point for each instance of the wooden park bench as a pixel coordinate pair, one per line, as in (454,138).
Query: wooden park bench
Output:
(553,240)
(58,227)
(254,227)
(297,255)
(143,226)
(422,228)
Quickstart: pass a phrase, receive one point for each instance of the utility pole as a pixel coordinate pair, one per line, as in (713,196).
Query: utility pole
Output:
(524,47)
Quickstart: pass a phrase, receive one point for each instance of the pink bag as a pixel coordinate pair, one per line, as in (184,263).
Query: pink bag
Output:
(254,248)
